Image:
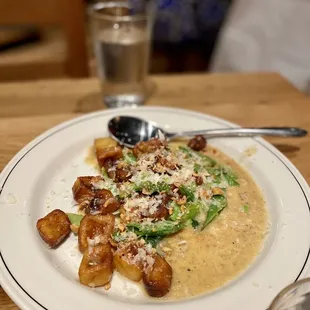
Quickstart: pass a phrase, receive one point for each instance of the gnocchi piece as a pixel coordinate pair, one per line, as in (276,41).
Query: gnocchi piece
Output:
(54,228)
(101,143)
(157,279)
(122,174)
(95,229)
(96,268)
(122,264)
(82,190)
(93,199)
(107,149)
(104,202)
(118,174)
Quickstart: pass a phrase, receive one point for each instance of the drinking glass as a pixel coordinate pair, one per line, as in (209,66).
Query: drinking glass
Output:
(294,297)
(122,36)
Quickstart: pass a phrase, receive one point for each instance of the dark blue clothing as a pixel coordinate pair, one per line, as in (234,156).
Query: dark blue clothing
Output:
(187,20)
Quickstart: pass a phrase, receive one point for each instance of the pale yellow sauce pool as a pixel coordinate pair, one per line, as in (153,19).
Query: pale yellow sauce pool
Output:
(204,261)
(90,158)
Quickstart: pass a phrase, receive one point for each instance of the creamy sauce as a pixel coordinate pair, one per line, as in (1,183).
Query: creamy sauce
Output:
(204,261)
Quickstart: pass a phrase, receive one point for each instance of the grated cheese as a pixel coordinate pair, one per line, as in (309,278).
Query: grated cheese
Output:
(96,240)
(98,184)
(143,205)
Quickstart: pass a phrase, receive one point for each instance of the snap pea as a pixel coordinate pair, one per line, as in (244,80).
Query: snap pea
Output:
(186,150)
(191,210)
(188,192)
(206,160)
(219,202)
(176,212)
(75,219)
(163,228)
(230,178)
(152,187)
(162,187)
(153,240)
(197,168)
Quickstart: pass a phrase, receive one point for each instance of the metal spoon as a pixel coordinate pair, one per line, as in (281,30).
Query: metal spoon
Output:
(129,130)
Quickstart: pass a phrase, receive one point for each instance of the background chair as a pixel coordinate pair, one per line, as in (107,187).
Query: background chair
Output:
(68,16)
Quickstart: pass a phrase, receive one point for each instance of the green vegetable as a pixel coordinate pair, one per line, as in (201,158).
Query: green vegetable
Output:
(197,168)
(163,228)
(215,170)
(191,211)
(149,186)
(222,172)
(125,193)
(104,173)
(176,214)
(129,158)
(207,161)
(144,185)
(162,187)
(212,213)
(217,174)
(138,187)
(118,237)
(186,150)
(75,219)
(152,187)
(245,208)
(153,240)
(231,178)
(219,202)
(195,224)
(188,192)
(217,179)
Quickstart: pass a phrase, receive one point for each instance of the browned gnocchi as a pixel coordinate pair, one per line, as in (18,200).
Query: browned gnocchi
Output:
(54,228)
(95,229)
(96,268)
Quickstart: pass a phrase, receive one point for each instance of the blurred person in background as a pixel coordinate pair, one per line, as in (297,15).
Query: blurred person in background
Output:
(185,32)
(267,35)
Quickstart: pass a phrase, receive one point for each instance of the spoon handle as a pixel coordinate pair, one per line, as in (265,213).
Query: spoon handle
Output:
(242,132)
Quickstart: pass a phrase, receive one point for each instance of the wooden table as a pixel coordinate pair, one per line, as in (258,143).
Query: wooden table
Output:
(27,109)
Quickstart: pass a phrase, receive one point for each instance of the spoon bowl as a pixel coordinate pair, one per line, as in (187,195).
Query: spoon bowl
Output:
(128,131)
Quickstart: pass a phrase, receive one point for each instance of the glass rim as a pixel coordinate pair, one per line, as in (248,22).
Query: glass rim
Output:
(286,290)
(93,12)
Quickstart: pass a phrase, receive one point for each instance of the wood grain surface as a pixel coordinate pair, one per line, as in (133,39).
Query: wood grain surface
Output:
(27,109)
